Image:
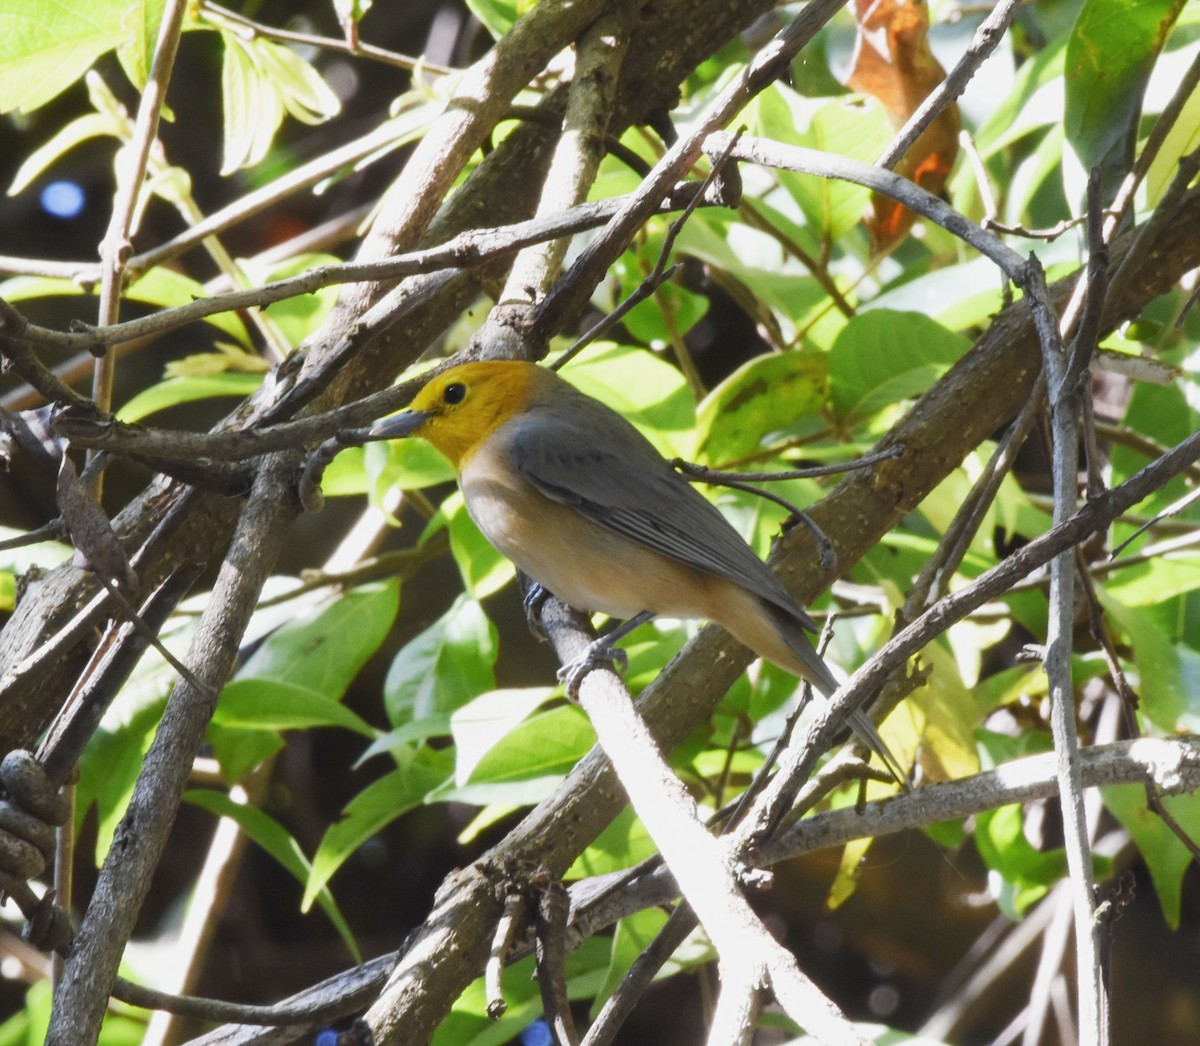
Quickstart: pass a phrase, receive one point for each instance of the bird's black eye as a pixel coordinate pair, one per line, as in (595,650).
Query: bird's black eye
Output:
(454,393)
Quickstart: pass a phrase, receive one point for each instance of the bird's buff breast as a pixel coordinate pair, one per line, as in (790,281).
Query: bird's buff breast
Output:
(579,561)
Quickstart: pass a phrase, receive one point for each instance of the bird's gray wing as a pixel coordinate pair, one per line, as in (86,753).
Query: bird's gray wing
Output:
(626,486)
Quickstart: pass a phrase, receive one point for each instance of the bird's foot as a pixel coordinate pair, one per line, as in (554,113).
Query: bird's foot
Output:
(532,601)
(600,653)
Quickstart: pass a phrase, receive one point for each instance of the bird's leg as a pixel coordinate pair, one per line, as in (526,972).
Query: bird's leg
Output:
(534,595)
(601,653)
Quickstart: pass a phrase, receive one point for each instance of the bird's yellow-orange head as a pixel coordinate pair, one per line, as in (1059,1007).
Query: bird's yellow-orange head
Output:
(460,408)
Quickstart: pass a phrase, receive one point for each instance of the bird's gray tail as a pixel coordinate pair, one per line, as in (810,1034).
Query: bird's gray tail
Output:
(818,673)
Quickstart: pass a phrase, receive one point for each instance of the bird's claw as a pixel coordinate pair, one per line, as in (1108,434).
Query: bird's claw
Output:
(599,654)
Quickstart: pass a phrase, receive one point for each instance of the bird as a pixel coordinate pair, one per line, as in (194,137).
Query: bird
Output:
(585,506)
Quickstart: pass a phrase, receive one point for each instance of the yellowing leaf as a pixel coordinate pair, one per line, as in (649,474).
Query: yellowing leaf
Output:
(846,881)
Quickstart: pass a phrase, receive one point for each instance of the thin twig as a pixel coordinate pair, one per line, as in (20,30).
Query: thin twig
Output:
(1149,232)
(466,250)
(1173,509)
(639,976)
(697,473)
(657,276)
(1162,126)
(358,49)
(934,579)
(989,34)
(55,530)
(1128,696)
(1170,763)
(116,247)
(709,475)
(502,944)
(375,144)
(1086,340)
(1064,395)
(826,165)
(572,292)
(552,959)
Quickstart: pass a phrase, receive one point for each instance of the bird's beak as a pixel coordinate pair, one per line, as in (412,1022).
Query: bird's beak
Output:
(400,425)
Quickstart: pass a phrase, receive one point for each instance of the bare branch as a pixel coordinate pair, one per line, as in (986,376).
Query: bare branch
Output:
(82,995)
(983,43)
(116,247)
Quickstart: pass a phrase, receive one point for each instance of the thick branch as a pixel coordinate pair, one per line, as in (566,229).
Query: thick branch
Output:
(82,994)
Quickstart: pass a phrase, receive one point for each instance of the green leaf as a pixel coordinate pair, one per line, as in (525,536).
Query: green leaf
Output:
(757,401)
(1182,139)
(175,391)
(260,81)
(547,744)
(81,129)
(18,560)
(109,767)
(375,806)
(239,749)
(398,742)
(142,21)
(958,296)
(1001,842)
(253,110)
(160,286)
(672,310)
(443,667)
(302,91)
(633,935)
(275,839)
(760,273)
(1035,101)
(525,764)
(324,649)
(883,357)
(271,704)
(1169,417)
(228,359)
(623,844)
(1150,583)
(351,12)
(1032,174)
(481,724)
(497,16)
(166,288)
(28,1026)
(408,463)
(652,646)
(841,126)
(1166,857)
(346,475)
(858,130)
(46,45)
(1110,54)
(1163,680)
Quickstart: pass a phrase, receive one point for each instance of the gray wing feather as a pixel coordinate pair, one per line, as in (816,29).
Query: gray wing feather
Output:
(629,488)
